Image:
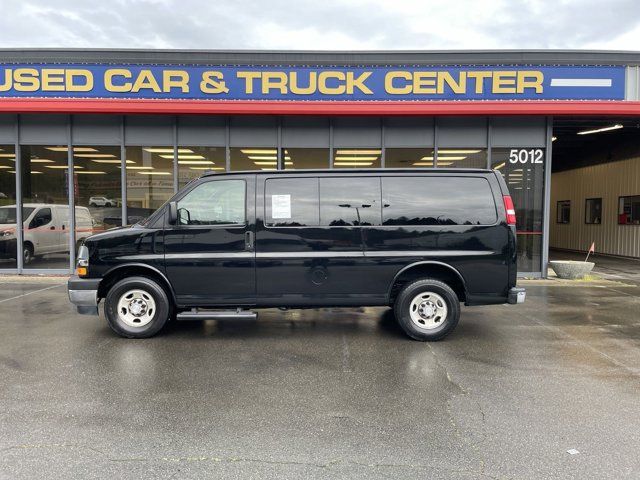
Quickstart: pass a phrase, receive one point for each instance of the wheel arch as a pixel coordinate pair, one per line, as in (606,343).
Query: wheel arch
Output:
(133,269)
(431,269)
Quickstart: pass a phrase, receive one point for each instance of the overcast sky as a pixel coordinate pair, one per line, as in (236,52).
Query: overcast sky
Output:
(321,24)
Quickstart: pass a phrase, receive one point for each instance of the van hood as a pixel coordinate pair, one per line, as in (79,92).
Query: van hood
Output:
(115,231)
(7,226)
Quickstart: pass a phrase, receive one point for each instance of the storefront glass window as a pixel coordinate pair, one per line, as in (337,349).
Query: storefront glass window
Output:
(462,157)
(523,170)
(149,180)
(254,158)
(8,232)
(46,222)
(194,161)
(96,186)
(357,157)
(408,157)
(305,158)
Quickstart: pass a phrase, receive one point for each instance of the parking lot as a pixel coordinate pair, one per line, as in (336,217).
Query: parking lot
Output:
(326,393)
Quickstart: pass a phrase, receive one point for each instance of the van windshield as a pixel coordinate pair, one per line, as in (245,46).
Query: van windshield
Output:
(8,214)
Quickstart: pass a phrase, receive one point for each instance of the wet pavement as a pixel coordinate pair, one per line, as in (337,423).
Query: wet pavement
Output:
(324,394)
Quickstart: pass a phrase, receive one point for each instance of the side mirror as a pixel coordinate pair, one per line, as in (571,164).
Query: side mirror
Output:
(173,213)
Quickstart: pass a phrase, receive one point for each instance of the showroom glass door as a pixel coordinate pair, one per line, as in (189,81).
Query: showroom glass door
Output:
(8,231)
(46,226)
(523,169)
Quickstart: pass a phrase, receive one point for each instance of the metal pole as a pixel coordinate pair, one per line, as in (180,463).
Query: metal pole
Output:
(435,142)
(123,174)
(227,147)
(19,219)
(72,198)
(546,215)
(176,171)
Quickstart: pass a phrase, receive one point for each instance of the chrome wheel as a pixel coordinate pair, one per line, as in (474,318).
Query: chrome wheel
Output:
(428,310)
(136,308)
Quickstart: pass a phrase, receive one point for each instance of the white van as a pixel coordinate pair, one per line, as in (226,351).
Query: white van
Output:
(46,229)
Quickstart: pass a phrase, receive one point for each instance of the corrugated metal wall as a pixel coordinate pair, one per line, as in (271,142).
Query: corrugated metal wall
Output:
(607,181)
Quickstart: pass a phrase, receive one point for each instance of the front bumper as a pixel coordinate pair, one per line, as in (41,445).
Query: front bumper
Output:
(83,293)
(516,295)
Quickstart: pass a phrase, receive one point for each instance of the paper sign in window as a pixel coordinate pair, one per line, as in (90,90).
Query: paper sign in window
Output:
(280,206)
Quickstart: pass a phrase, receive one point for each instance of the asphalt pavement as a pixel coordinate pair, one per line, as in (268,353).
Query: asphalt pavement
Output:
(548,389)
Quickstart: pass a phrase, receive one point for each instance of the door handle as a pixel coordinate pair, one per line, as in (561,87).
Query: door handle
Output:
(53,228)
(248,240)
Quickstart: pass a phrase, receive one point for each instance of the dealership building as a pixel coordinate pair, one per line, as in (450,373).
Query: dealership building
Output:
(112,134)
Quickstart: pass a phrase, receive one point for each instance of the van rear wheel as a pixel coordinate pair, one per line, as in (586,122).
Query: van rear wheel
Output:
(137,307)
(427,309)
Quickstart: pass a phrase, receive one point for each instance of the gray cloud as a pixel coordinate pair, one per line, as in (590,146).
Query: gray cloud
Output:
(324,24)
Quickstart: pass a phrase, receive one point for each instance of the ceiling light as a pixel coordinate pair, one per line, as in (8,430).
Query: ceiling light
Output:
(154,173)
(603,129)
(7,155)
(195,162)
(138,168)
(267,164)
(260,157)
(443,157)
(41,160)
(206,168)
(94,155)
(353,164)
(445,151)
(184,157)
(167,150)
(4,166)
(260,151)
(34,172)
(269,169)
(553,139)
(355,159)
(115,162)
(498,167)
(430,164)
(358,152)
(75,149)
(62,167)
(92,172)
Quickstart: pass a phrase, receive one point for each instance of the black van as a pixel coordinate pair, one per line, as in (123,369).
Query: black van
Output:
(420,241)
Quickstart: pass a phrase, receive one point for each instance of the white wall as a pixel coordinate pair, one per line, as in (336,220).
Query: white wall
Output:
(607,181)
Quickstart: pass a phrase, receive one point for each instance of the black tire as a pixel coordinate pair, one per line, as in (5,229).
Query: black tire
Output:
(27,253)
(160,314)
(444,325)
(93,205)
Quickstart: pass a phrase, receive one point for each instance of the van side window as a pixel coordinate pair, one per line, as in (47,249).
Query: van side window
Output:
(437,201)
(291,202)
(217,202)
(41,218)
(350,201)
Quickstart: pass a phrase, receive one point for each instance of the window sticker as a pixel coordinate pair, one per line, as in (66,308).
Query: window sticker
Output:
(280,206)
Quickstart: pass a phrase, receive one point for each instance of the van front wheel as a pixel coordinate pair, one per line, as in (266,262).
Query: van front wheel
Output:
(427,309)
(137,307)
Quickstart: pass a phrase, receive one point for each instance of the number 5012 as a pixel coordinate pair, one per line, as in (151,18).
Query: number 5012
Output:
(523,155)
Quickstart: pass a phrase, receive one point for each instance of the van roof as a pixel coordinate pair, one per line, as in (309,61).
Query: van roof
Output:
(351,171)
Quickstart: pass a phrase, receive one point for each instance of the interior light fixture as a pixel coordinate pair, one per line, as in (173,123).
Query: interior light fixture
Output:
(75,149)
(195,162)
(603,129)
(94,155)
(63,167)
(167,150)
(92,172)
(138,168)
(4,167)
(34,172)
(7,155)
(266,164)
(269,151)
(146,172)
(553,139)
(353,164)
(184,157)
(443,157)
(358,152)
(206,168)
(354,159)
(448,150)
(114,162)
(41,160)
(262,157)
(498,167)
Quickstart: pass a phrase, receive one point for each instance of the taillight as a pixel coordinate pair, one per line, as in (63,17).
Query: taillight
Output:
(511,211)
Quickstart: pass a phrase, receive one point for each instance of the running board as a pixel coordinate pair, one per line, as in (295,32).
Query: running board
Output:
(217,315)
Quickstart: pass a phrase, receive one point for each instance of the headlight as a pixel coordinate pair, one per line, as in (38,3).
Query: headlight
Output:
(82,265)
(7,233)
